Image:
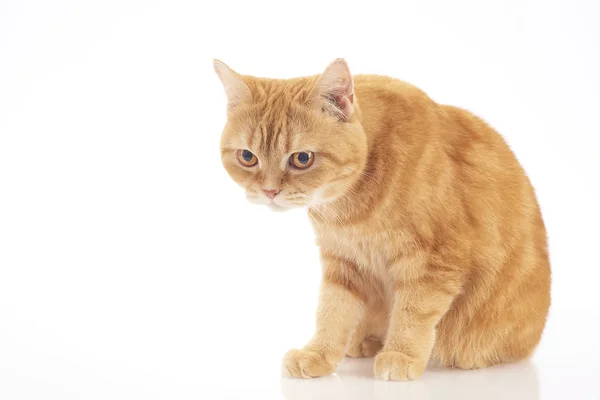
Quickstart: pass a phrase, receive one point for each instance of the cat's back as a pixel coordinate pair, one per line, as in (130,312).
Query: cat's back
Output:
(388,93)
(405,117)
(450,156)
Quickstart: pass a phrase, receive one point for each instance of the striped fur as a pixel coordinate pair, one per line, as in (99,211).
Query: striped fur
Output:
(433,246)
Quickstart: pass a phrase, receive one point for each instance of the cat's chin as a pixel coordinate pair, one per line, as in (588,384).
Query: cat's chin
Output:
(276,208)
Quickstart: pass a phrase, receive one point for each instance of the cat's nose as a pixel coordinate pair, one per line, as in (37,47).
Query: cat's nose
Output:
(271,193)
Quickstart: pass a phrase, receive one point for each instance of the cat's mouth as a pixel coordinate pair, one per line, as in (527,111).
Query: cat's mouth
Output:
(267,202)
(276,204)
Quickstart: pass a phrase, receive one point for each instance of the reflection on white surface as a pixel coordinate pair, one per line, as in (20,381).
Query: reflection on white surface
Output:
(354,380)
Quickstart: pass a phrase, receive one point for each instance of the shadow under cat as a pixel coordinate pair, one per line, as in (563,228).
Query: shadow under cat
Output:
(354,380)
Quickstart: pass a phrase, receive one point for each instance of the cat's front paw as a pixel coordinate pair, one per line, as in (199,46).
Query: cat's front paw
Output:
(305,364)
(396,366)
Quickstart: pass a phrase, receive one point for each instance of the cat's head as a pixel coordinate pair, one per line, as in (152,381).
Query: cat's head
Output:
(295,142)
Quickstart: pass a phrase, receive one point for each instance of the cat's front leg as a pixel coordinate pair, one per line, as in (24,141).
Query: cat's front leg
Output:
(341,306)
(418,306)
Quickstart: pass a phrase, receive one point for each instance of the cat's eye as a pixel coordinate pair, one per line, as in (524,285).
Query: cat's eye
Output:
(246,158)
(302,159)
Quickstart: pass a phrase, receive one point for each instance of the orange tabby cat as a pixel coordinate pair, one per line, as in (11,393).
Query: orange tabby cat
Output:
(432,242)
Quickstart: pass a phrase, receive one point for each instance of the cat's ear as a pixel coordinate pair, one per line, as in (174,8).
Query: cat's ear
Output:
(335,89)
(236,90)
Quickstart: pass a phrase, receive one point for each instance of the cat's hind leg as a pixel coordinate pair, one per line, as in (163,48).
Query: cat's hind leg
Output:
(367,347)
(366,340)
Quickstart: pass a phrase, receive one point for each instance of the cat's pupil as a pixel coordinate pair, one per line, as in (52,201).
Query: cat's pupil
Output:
(247,155)
(303,158)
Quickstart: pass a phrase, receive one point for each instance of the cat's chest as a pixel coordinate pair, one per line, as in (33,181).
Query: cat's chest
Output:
(370,250)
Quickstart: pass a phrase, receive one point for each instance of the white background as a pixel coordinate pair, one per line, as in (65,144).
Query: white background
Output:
(131,265)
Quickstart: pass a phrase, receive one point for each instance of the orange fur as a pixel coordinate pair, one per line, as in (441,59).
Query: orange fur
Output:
(433,246)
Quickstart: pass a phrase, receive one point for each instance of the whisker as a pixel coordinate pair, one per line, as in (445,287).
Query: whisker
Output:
(337,216)
(363,173)
(328,225)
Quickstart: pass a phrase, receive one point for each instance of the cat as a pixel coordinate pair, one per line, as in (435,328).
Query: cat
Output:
(432,243)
